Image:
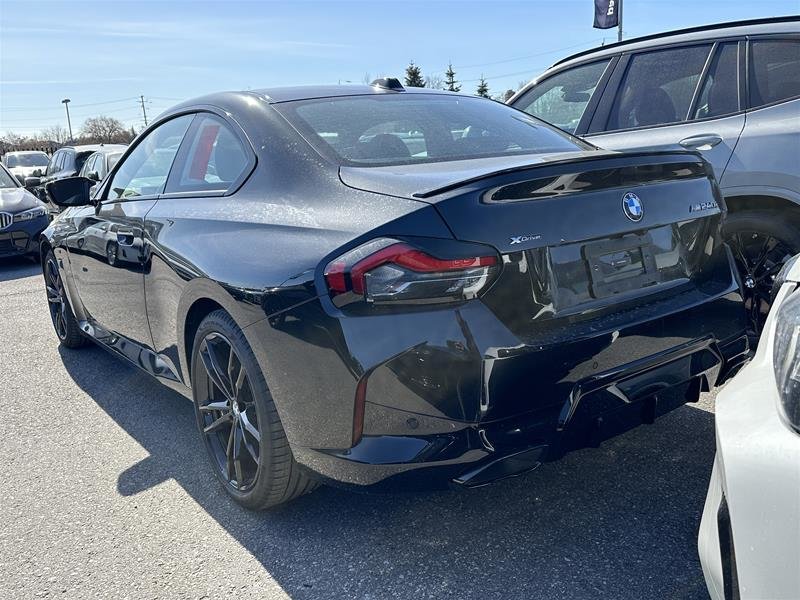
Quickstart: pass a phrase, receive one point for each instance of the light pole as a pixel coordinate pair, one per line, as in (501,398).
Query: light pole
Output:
(66,102)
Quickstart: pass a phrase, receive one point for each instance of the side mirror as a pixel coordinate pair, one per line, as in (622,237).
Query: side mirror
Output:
(71,191)
(32,182)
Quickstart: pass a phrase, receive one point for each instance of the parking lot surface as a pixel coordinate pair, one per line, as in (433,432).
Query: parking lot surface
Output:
(107,495)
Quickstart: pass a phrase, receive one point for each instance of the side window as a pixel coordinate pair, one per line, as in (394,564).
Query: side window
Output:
(68,162)
(720,93)
(213,158)
(146,168)
(658,87)
(52,166)
(774,71)
(562,99)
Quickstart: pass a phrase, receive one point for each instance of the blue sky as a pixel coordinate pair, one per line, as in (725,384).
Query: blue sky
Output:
(103,55)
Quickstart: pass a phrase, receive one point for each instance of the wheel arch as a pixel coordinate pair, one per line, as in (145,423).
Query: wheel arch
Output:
(200,298)
(767,200)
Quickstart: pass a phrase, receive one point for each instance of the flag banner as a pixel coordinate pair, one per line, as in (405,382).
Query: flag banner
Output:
(606,13)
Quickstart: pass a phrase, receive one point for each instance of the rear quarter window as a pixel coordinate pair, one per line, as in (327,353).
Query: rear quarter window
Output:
(774,71)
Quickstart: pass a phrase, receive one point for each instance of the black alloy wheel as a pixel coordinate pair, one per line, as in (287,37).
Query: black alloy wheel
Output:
(64,322)
(238,420)
(761,245)
(229,417)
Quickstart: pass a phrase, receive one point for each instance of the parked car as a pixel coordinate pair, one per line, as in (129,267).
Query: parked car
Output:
(22,218)
(750,532)
(65,162)
(348,307)
(730,91)
(25,163)
(97,166)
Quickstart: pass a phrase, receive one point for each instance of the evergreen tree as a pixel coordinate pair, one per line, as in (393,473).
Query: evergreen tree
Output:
(483,88)
(414,76)
(450,79)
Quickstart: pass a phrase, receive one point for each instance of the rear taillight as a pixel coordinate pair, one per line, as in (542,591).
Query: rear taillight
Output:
(389,270)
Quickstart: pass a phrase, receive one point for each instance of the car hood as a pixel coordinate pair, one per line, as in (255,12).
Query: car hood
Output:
(14,200)
(417,181)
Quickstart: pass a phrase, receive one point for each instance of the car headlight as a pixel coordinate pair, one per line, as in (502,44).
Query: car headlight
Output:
(786,359)
(33,213)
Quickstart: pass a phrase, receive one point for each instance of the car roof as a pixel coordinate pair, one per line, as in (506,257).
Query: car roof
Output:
(787,24)
(108,148)
(307,92)
(85,147)
(275,95)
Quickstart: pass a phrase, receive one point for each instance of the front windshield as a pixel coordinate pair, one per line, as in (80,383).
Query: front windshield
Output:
(7,180)
(395,129)
(34,159)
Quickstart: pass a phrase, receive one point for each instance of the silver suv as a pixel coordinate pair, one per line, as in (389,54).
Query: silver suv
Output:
(731,92)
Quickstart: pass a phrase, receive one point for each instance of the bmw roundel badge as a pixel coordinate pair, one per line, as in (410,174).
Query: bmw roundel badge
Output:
(632,207)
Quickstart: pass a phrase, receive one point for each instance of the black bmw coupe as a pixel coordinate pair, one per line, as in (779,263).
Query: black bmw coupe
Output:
(389,287)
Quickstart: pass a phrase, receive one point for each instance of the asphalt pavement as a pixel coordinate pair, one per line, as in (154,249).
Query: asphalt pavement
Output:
(106,494)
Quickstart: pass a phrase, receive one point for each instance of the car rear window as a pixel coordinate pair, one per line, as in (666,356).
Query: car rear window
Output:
(418,128)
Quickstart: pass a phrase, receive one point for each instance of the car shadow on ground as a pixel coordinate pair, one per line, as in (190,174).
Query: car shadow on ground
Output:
(18,268)
(619,521)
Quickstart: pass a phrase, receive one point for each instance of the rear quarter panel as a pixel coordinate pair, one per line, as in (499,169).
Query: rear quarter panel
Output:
(767,157)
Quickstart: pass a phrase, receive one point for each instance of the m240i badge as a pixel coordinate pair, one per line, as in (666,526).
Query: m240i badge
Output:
(702,206)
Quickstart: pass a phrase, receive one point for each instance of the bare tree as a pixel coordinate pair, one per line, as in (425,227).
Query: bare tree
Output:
(56,133)
(12,139)
(104,130)
(435,82)
(367,79)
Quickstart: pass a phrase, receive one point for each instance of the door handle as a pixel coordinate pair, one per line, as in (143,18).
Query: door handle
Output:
(704,141)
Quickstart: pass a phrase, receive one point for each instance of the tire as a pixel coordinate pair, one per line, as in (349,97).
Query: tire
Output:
(225,406)
(64,322)
(112,252)
(761,242)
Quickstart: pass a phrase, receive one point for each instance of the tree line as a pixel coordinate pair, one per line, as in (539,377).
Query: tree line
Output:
(95,130)
(415,78)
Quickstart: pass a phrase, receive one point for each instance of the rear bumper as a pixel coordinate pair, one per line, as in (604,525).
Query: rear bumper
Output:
(461,454)
(22,238)
(451,395)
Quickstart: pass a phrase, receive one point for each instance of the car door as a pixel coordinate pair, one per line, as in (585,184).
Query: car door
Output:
(680,97)
(213,162)
(106,247)
(766,160)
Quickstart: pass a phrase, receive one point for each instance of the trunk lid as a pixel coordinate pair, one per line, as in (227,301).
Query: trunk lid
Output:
(582,234)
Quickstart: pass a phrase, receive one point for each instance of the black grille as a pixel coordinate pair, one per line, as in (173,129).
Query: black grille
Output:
(5,220)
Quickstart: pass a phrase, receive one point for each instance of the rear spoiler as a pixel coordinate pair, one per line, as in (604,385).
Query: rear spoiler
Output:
(620,159)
